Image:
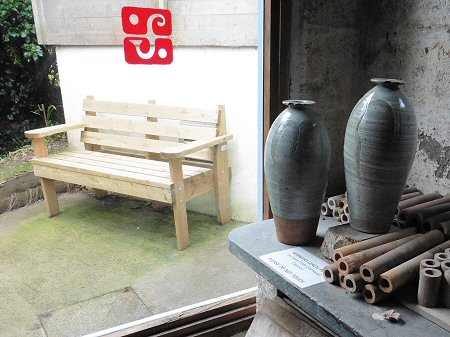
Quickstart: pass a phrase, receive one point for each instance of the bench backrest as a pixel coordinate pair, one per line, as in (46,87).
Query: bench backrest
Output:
(146,129)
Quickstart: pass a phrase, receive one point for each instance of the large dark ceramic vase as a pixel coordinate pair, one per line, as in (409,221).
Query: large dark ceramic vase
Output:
(296,164)
(379,149)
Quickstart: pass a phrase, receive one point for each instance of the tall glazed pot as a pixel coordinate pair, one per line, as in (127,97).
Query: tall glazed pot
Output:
(296,165)
(379,149)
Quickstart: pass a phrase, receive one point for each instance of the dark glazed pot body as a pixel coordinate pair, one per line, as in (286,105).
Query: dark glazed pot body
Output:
(296,165)
(379,149)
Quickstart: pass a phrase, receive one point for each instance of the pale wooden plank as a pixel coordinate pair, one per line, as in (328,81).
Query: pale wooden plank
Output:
(111,184)
(87,146)
(39,147)
(103,172)
(51,130)
(222,184)
(50,196)
(198,185)
(152,110)
(179,204)
(137,144)
(183,150)
(133,162)
(151,129)
(125,142)
(158,172)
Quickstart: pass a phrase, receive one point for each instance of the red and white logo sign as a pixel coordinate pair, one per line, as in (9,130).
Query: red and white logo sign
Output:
(138,48)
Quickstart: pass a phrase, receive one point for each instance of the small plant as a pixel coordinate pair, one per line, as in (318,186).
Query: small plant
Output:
(46,114)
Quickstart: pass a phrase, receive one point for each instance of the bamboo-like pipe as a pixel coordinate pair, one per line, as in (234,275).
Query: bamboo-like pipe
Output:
(418,200)
(445,265)
(372,294)
(439,257)
(416,219)
(406,212)
(428,263)
(408,190)
(350,263)
(331,274)
(337,214)
(344,218)
(354,283)
(446,289)
(373,242)
(373,268)
(410,195)
(433,222)
(341,280)
(333,201)
(429,284)
(326,210)
(444,227)
(398,276)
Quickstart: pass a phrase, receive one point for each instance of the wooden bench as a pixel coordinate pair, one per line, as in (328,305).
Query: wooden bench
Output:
(162,153)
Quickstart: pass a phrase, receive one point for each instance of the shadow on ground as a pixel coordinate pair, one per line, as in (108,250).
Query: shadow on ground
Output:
(106,262)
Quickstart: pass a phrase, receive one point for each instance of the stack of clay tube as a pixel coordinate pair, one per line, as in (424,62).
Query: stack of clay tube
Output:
(434,281)
(425,212)
(379,266)
(337,207)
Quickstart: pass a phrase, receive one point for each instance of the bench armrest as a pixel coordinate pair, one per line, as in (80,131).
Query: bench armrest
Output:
(182,150)
(51,130)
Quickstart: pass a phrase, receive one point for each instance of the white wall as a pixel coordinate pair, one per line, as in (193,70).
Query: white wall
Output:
(198,77)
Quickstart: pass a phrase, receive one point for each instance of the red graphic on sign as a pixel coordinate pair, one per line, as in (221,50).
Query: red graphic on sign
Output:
(139,49)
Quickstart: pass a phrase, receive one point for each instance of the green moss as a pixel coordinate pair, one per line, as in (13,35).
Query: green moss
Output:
(94,247)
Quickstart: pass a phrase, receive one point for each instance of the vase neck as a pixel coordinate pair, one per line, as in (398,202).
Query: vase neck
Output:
(297,103)
(388,82)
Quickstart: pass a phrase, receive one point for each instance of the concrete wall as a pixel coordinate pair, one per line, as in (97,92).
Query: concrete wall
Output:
(336,47)
(325,67)
(411,40)
(198,77)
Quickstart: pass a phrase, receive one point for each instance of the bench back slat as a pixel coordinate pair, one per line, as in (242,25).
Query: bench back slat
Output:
(140,145)
(152,110)
(153,128)
(146,129)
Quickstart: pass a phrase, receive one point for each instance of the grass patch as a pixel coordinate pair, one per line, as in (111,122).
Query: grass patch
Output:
(19,161)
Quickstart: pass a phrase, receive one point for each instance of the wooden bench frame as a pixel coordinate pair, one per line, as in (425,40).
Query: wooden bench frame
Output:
(180,189)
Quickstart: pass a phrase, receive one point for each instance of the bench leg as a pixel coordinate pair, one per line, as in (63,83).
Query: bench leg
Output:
(99,194)
(222,184)
(179,203)
(181,224)
(50,196)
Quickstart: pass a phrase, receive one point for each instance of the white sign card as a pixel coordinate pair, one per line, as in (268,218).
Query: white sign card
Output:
(296,265)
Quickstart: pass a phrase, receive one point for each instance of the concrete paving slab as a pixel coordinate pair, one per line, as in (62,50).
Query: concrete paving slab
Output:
(96,314)
(212,273)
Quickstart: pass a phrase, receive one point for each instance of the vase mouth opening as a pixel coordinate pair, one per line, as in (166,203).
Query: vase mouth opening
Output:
(388,82)
(297,102)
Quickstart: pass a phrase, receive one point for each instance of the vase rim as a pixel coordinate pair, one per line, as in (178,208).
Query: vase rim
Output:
(387,81)
(294,102)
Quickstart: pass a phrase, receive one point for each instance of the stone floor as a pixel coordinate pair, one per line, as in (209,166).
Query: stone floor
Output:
(101,263)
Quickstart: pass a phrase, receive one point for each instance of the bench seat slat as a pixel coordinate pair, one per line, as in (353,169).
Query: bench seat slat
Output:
(106,162)
(103,172)
(152,110)
(110,184)
(132,161)
(156,129)
(137,144)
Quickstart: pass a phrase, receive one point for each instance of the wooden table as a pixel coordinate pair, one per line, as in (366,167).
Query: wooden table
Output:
(328,306)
